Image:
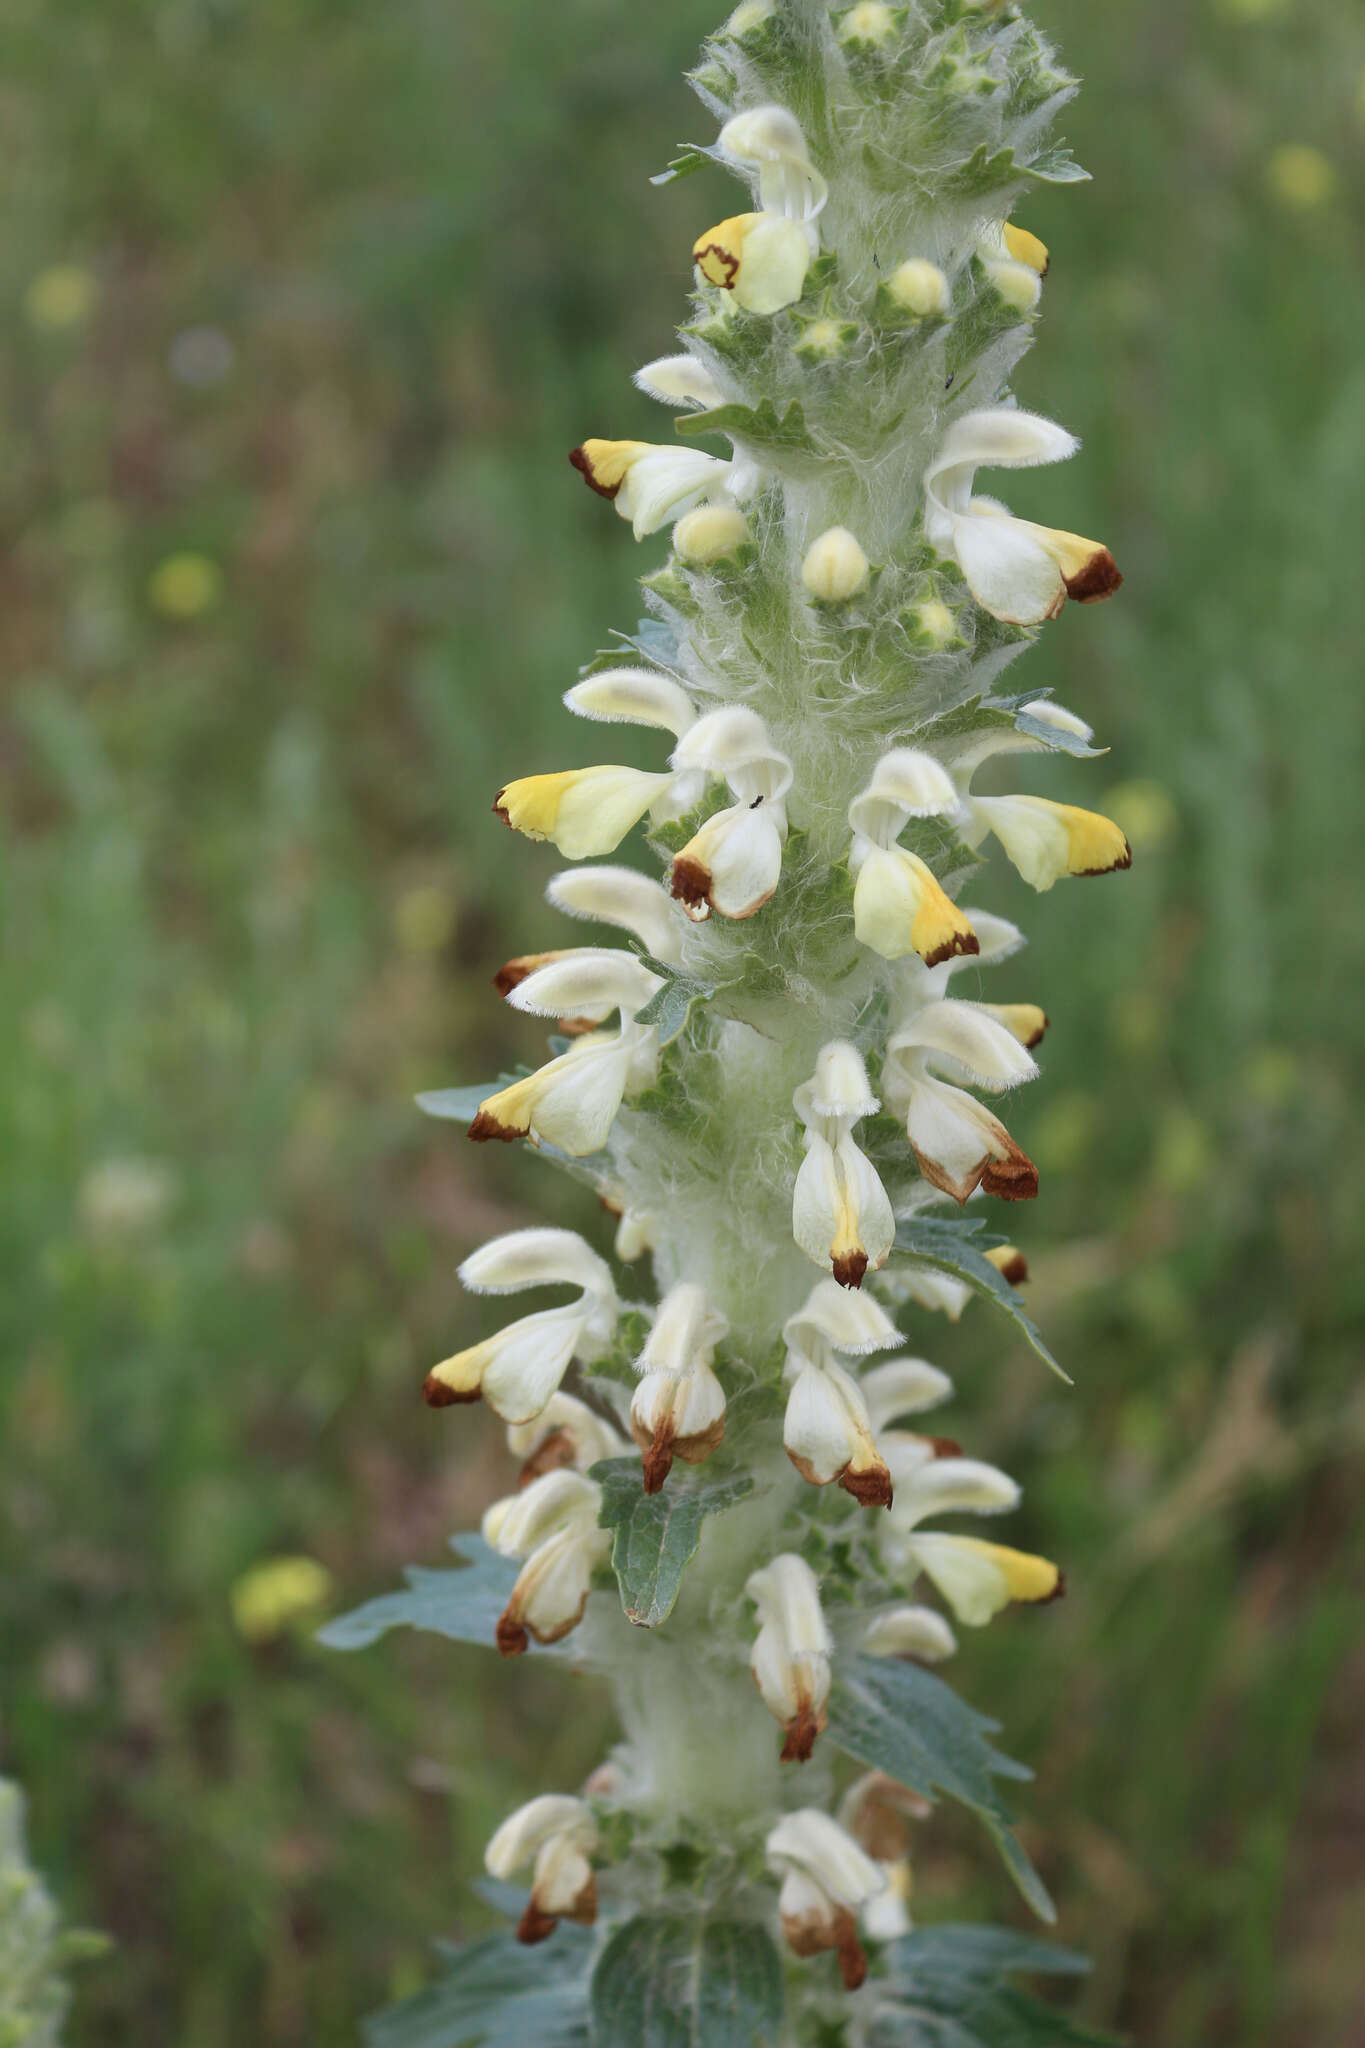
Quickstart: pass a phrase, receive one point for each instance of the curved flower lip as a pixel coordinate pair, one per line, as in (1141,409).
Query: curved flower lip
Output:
(621,896)
(790,1658)
(633,696)
(651,482)
(733,864)
(978,1049)
(582,811)
(735,742)
(771,139)
(1045,841)
(679,380)
(1018,571)
(906,783)
(900,907)
(572,1101)
(588,982)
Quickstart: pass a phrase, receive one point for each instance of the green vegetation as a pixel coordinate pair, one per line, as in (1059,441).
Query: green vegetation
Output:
(303,305)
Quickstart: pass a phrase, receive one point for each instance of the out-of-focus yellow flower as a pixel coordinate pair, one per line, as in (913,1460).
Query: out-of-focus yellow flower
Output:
(184,586)
(270,1597)
(125,1197)
(1272,1076)
(424,917)
(1146,812)
(1254,10)
(1184,1154)
(62,296)
(1300,176)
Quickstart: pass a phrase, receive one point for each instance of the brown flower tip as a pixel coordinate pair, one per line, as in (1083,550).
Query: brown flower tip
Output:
(871,1488)
(801,1733)
(534,1925)
(1014,1269)
(582,462)
(1099,578)
(513,1641)
(1037,1037)
(691,883)
(1058,1592)
(852,1954)
(850,1267)
(658,1460)
(486,1127)
(944,1446)
(1115,867)
(513,973)
(437,1394)
(957,946)
(500,808)
(1014,1179)
(552,1455)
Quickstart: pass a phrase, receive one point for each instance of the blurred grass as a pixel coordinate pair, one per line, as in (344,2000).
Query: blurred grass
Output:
(302,306)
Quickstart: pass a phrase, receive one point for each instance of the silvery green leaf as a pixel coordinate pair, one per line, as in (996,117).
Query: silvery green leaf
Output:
(1056,167)
(497,1994)
(693,156)
(949,1987)
(958,1245)
(898,1718)
(462,1604)
(669,1981)
(655,1535)
(759,426)
(461,1105)
(670,1006)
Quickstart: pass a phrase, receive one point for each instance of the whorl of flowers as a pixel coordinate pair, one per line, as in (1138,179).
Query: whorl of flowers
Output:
(785,1079)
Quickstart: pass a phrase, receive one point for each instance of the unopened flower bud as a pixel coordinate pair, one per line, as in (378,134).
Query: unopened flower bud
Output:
(709,534)
(919,287)
(871,24)
(835,568)
(933,621)
(746,18)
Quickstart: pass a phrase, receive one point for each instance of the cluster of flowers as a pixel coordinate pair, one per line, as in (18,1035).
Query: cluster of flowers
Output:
(844,1424)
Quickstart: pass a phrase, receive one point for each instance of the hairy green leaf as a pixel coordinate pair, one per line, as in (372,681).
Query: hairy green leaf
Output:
(655,1535)
(1056,167)
(463,1605)
(668,1982)
(669,1007)
(497,1994)
(898,1718)
(949,1988)
(958,1245)
(760,425)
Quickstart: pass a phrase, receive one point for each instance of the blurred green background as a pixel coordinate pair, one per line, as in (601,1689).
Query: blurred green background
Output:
(303,304)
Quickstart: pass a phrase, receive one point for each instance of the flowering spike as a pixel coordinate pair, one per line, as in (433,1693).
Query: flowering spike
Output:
(777,1067)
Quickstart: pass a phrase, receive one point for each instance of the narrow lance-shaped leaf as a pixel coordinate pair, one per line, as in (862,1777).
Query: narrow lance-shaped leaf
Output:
(898,1718)
(958,1246)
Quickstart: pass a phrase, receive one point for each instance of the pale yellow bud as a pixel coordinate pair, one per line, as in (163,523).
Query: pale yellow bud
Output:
(835,568)
(921,288)
(750,16)
(709,534)
(935,621)
(1016,284)
(869,23)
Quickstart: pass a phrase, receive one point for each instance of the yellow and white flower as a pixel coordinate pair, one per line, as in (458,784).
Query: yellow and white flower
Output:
(678,1409)
(1019,572)
(566,1432)
(551,1526)
(898,905)
(518,1370)
(1015,261)
(572,1101)
(827,1882)
(826,1431)
(791,1653)
(976,1578)
(841,1214)
(557,1835)
(734,862)
(958,1144)
(903,1386)
(760,259)
(652,482)
(1046,840)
